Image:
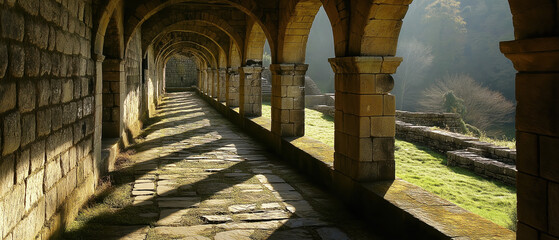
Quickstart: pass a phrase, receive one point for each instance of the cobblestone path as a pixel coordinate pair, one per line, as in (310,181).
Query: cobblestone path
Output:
(202,178)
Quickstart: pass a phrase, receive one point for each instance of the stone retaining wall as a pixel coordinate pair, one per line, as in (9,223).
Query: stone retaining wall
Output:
(482,166)
(451,121)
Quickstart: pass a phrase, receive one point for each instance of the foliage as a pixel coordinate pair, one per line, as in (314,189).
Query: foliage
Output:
(484,108)
(418,58)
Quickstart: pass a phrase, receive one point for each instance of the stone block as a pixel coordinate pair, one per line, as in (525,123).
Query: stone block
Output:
(12,23)
(6,174)
(56,90)
(7,96)
(46,64)
(366,171)
(549,160)
(3,60)
(30,226)
(527,157)
(70,113)
(13,207)
(28,127)
(17,61)
(44,92)
(53,173)
(383,149)
(22,166)
(56,122)
(44,119)
(363,105)
(383,126)
(67,90)
(51,202)
(37,155)
(32,62)
(65,162)
(12,133)
(389,105)
(360,149)
(77,89)
(34,189)
(532,201)
(26,96)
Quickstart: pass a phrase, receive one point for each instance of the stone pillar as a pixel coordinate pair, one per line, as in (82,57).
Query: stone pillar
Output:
(215,79)
(204,81)
(232,85)
(221,88)
(537,135)
(207,81)
(250,99)
(288,99)
(365,117)
(114,92)
(200,80)
(98,132)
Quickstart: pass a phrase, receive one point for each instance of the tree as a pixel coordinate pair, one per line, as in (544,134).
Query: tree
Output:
(417,60)
(483,107)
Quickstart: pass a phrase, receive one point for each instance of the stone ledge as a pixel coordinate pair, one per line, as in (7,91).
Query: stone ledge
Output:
(400,209)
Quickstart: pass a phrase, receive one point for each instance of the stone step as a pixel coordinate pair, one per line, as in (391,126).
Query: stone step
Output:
(485,167)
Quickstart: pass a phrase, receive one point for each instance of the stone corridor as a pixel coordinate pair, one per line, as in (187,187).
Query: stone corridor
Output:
(205,179)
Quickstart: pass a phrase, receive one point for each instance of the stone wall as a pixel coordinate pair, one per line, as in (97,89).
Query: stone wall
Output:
(46,114)
(484,159)
(181,71)
(133,100)
(449,121)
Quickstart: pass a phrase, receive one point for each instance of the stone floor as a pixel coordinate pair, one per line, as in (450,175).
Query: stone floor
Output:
(205,179)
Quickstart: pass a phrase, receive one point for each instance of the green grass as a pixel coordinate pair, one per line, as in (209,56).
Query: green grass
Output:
(427,169)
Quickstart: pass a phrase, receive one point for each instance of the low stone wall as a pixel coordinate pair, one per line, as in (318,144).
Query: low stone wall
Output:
(482,166)
(444,141)
(451,121)
(325,100)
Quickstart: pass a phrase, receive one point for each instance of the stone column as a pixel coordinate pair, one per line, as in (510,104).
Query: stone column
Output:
(204,81)
(221,88)
(200,84)
(114,92)
(97,134)
(288,99)
(232,85)
(215,79)
(250,100)
(537,135)
(365,117)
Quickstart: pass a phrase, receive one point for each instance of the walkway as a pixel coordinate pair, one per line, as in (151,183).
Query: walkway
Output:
(199,177)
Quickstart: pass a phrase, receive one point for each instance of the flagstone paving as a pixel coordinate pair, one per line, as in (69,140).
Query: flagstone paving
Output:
(197,176)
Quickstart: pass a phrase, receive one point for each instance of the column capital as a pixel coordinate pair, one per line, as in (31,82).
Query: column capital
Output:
(289,68)
(533,55)
(250,70)
(98,57)
(365,64)
(233,70)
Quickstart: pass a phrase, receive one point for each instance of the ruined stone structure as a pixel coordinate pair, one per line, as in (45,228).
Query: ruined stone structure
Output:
(73,72)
